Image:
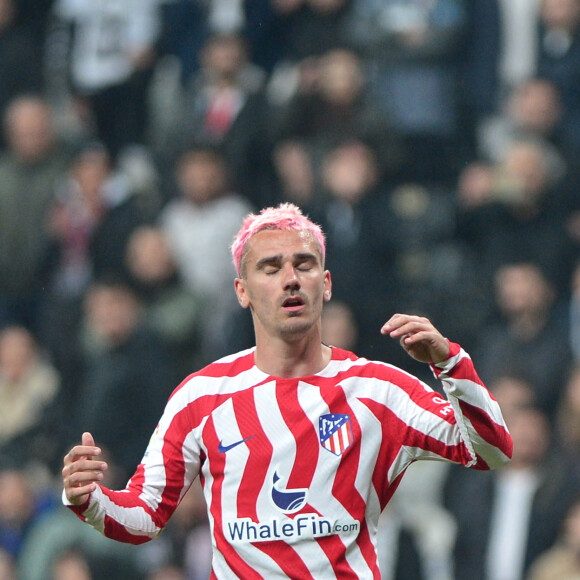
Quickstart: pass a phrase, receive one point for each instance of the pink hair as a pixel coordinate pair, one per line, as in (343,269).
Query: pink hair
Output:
(286,216)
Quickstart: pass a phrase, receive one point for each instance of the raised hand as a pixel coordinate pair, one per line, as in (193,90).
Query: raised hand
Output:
(418,337)
(81,471)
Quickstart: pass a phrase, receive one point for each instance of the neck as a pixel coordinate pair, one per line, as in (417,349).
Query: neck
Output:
(289,360)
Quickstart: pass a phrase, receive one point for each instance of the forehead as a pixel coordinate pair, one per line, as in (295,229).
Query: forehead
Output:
(281,242)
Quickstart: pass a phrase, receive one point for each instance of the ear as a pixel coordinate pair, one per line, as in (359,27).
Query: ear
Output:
(241,292)
(327,295)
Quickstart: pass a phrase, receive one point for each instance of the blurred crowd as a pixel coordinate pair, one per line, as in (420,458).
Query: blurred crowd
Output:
(437,143)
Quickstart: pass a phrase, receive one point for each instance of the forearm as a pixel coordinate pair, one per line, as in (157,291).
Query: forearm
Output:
(121,516)
(477,413)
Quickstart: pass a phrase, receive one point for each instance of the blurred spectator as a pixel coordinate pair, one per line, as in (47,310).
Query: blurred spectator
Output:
(90,221)
(7,565)
(507,518)
(106,50)
(562,560)
(294,176)
(532,109)
(122,366)
(421,224)
(29,401)
(559,57)
(54,544)
(199,224)
(351,209)
(480,75)
(417,50)
(30,170)
(529,337)
(567,418)
(170,308)
(186,542)
(21,503)
(339,325)
(223,106)
(333,103)
(514,210)
(93,216)
(310,28)
(71,565)
(519,42)
(416,531)
(513,393)
(20,62)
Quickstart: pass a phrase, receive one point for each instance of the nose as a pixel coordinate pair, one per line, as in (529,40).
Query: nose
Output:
(291,281)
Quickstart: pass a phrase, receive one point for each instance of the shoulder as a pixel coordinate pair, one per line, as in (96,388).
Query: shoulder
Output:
(367,371)
(215,377)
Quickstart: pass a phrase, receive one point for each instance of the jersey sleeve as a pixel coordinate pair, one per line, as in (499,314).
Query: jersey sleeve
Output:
(170,464)
(476,412)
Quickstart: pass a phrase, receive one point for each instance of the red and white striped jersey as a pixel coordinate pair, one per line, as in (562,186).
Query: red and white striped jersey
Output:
(295,472)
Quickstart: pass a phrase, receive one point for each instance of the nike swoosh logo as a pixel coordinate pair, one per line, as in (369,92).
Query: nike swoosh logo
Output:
(223,448)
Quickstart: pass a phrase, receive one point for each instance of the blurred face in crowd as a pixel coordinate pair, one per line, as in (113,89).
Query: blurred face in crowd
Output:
(530,431)
(17,353)
(201,176)
(148,255)
(224,55)
(16,498)
(522,288)
(536,106)
(91,170)
(294,168)
(7,13)
(562,14)
(339,326)
(349,172)
(341,77)
(29,128)
(112,311)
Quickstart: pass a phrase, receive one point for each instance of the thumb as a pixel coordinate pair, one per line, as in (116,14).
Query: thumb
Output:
(88,439)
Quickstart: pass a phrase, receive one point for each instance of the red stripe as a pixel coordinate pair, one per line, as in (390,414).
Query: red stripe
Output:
(259,457)
(115,530)
(286,557)
(494,434)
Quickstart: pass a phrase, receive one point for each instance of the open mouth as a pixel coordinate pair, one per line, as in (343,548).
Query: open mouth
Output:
(293,303)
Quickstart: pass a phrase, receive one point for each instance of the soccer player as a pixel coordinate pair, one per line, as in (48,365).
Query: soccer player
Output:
(299,445)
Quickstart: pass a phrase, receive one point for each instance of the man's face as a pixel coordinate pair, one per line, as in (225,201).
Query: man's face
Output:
(285,284)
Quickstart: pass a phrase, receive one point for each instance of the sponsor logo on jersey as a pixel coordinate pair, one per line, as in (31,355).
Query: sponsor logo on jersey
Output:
(335,432)
(225,448)
(288,501)
(305,526)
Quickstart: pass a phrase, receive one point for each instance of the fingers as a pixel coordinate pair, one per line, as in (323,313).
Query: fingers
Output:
(400,325)
(418,337)
(88,440)
(81,472)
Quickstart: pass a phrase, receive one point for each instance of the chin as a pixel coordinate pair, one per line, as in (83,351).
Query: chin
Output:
(296,326)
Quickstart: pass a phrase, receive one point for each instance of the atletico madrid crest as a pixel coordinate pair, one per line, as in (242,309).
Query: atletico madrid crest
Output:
(335,432)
